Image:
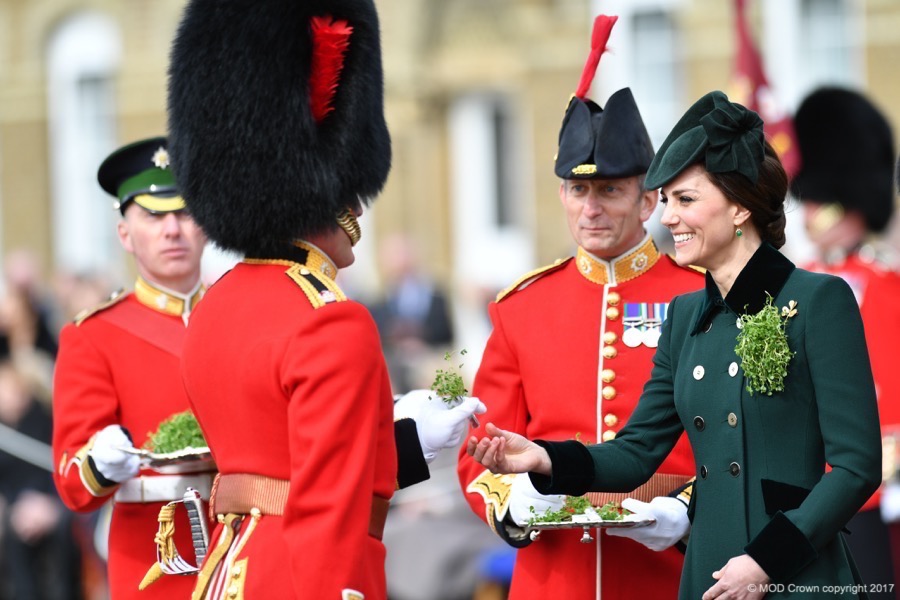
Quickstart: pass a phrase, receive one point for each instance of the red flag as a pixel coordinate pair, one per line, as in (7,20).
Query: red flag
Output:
(749,86)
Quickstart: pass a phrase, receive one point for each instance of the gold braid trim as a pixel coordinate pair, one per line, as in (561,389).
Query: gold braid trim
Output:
(301,276)
(114,298)
(523,281)
(239,569)
(214,557)
(686,493)
(494,489)
(165,544)
(88,478)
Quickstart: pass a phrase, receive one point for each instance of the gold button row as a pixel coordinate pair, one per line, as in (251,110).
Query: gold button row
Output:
(609,352)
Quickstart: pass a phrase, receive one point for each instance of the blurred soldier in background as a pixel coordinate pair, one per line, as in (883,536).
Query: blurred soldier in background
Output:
(846,186)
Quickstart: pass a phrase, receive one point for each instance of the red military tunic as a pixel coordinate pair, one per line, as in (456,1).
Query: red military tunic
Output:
(287,379)
(877,290)
(556,367)
(120,365)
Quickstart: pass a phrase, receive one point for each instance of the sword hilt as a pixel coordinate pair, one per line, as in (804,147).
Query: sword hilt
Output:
(193,503)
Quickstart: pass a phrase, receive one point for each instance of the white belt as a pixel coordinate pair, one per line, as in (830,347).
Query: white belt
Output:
(163,488)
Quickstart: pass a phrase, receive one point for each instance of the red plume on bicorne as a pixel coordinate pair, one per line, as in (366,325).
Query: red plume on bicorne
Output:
(602,27)
(330,39)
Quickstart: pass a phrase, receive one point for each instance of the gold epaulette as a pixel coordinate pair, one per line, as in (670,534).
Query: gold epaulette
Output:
(319,288)
(529,277)
(700,270)
(114,298)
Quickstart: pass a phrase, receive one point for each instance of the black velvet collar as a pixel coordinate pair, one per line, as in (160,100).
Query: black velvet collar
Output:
(764,275)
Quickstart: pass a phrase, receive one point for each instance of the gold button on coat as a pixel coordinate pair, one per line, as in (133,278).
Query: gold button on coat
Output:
(607,375)
(732,419)
(612,313)
(610,352)
(613,298)
(610,420)
(609,435)
(609,392)
(610,337)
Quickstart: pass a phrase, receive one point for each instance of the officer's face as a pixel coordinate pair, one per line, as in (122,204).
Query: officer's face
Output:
(702,220)
(167,247)
(606,216)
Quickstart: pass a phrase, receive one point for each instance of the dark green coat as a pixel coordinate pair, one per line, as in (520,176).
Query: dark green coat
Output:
(762,486)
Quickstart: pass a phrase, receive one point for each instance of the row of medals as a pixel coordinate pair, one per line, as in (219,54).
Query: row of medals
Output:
(641,331)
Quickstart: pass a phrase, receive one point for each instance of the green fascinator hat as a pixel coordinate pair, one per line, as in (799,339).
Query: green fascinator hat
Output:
(722,135)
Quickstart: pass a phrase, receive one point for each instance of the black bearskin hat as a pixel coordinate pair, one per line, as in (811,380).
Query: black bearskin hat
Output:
(276,117)
(847,155)
(602,143)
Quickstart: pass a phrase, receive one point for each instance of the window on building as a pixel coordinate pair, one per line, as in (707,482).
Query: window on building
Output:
(656,71)
(827,47)
(82,60)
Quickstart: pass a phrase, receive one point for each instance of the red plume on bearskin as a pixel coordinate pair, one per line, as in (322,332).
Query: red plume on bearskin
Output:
(602,28)
(276,117)
(330,40)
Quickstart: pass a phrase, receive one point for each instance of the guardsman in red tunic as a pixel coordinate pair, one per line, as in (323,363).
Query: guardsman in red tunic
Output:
(847,189)
(118,376)
(277,107)
(570,350)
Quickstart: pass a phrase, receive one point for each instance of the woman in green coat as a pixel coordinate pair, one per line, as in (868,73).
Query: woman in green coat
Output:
(766,369)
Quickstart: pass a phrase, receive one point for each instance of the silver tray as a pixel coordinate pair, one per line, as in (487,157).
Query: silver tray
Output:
(188,460)
(592,523)
(586,524)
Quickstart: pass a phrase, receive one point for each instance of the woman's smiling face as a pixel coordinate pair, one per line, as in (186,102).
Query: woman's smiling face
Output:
(702,220)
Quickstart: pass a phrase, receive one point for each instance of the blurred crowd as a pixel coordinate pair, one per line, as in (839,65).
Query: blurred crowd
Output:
(46,551)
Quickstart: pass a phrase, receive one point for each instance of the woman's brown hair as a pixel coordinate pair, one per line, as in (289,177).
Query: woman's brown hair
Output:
(764,199)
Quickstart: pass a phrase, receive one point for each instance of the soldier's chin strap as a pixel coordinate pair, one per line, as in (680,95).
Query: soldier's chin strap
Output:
(347,221)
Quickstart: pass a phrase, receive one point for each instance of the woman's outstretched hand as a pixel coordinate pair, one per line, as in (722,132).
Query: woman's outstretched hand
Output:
(507,452)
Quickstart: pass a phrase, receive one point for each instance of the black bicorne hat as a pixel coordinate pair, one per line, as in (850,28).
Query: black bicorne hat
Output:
(595,142)
(276,117)
(847,155)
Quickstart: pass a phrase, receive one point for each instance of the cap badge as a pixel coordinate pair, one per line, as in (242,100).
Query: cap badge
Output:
(161,158)
(584,170)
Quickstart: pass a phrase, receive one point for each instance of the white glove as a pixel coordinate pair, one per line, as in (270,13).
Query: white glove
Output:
(438,425)
(890,502)
(523,496)
(671,525)
(114,464)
